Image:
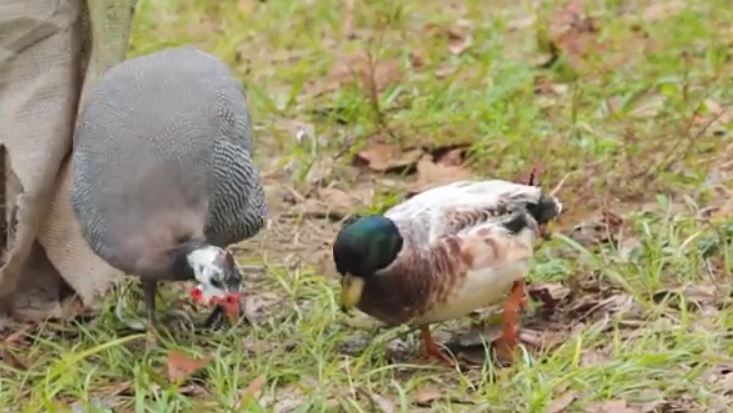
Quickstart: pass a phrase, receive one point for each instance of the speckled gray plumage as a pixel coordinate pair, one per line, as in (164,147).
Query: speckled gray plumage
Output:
(163,154)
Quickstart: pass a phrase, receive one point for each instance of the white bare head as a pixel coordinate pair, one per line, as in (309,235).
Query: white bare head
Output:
(214,269)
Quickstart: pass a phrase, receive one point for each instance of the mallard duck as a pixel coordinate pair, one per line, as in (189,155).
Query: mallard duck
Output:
(444,253)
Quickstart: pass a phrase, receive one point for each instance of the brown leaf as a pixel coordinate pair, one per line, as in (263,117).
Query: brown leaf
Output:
(696,295)
(371,73)
(550,294)
(430,174)
(425,396)
(18,335)
(662,10)
(245,6)
(385,405)
(598,228)
(258,306)
(335,198)
(10,359)
(116,389)
(560,403)
(417,59)
(334,203)
(593,357)
(612,406)
(453,157)
(347,22)
(254,389)
(459,40)
(444,71)
(181,366)
(385,157)
(546,339)
(573,33)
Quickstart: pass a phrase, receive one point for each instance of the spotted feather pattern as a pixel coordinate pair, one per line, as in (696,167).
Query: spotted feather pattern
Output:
(238,208)
(163,156)
(458,254)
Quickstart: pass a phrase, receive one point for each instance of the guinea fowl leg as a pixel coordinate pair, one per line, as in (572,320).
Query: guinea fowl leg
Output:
(149,289)
(431,349)
(506,344)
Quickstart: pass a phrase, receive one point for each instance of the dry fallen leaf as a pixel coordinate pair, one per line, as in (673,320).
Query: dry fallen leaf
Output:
(612,406)
(560,403)
(417,59)
(593,357)
(373,74)
(347,23)
(699,295)
(181,366)
(430,174)
(453,157)
(550,294)
(385,405)
(246,6)
(425,396)
(598,228)
(18,335)
(254,389)
(459,39)
(10,359)
(662,10)
(385,157)
(444,71)
(572,33)
(334,203)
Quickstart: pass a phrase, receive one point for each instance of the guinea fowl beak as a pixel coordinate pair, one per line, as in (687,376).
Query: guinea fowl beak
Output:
(232,306)
(351,289)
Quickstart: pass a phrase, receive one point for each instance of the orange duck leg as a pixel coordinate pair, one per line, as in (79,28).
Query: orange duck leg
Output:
(509,339)
(432,352)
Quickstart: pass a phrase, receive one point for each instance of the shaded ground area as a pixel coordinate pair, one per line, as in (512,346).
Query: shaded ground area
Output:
(358,105)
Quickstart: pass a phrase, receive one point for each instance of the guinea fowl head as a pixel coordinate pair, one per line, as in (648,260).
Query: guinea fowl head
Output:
(218,277)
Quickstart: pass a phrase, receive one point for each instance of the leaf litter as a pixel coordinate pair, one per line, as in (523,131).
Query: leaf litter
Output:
(180,366)
(570,32)
(561,402)
(612,406)
(362,69)
(459,38)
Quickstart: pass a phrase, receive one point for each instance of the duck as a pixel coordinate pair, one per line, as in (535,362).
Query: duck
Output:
(444,253)
(163,174)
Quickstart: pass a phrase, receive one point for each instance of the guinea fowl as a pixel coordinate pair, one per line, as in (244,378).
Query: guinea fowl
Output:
(163,174)
(444,253)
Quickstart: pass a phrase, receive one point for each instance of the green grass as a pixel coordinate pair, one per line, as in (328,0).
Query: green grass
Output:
(635,126)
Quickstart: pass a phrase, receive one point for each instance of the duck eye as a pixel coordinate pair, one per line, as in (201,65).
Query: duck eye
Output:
(215,282)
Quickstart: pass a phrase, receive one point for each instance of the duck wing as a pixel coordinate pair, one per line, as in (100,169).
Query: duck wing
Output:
(456,274)
(452,208)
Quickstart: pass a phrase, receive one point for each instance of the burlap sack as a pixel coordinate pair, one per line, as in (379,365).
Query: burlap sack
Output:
(50,52)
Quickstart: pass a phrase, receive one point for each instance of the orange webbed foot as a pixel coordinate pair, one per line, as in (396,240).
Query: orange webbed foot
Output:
(509,339)
(432,352)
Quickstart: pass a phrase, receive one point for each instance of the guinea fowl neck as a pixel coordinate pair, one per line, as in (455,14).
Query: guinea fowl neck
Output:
(182,269)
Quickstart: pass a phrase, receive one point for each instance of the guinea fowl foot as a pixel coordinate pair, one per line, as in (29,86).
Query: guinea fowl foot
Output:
(432,352)
(151,338)
(216,319)
(509,339)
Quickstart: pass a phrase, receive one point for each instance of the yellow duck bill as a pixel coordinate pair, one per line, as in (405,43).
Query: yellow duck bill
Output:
(351,289)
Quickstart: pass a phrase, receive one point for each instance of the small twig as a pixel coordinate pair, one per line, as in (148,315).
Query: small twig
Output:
(561,183)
